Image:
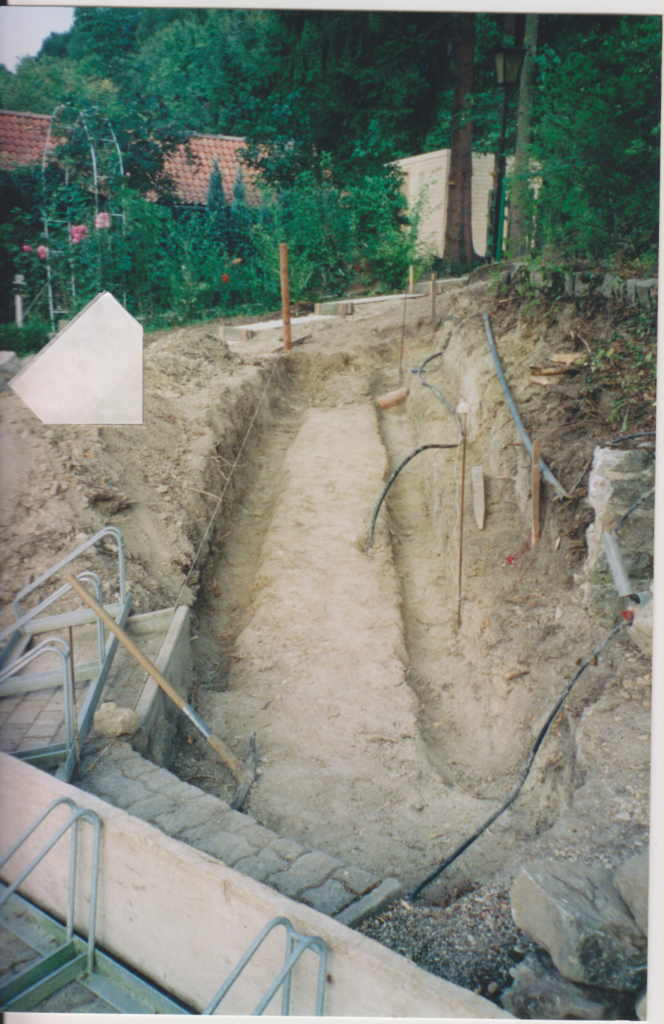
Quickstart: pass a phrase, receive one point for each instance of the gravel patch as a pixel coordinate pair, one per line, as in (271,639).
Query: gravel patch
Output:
(473,942)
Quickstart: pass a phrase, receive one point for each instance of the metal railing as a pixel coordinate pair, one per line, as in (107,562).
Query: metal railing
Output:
(296,945)
(78,814)
(107,531)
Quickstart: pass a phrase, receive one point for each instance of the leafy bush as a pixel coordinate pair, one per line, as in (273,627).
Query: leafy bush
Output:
(597,142)
(170,265)
(25,340)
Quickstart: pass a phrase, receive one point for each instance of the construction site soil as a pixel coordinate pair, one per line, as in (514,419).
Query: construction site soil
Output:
(393,714)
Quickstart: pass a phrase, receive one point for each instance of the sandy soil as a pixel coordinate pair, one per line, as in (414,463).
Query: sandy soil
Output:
(387,731)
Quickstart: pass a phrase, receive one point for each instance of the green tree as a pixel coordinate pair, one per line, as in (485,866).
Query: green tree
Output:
(521,200)
(459,250)
(597,139)
(217,207)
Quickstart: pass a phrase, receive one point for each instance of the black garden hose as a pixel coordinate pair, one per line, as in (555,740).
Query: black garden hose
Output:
(393,477)
(524,775)
(436,391)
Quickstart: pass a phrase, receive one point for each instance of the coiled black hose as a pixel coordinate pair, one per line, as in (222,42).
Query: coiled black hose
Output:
(524,775)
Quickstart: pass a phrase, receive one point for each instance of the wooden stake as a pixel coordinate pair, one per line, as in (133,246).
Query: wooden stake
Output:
(411,280)
(403,335)
(285,294)
(478,495)
(433,296)
(535,536)
(463,481)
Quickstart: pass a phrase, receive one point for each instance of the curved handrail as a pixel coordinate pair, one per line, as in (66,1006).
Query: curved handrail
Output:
(106,531)
(46,647)
(78,814)
(297,944)
(51,599)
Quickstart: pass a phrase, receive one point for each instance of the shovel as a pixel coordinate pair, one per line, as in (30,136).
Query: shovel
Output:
(244,774)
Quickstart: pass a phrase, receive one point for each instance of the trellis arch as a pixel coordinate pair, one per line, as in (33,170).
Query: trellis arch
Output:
(84,144)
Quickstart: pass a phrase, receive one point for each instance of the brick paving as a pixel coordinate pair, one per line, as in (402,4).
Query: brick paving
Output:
(121,777)
(36,719)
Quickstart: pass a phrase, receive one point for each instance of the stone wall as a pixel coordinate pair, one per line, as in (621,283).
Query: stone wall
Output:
(617,480)
(582,284)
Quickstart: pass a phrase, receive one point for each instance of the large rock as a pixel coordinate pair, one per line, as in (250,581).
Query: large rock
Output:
(111,721)
(578,916)
(642,1006)
(539,993)
(631,881)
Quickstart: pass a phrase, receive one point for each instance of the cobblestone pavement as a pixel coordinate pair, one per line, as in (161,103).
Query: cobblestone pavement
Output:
(120,776)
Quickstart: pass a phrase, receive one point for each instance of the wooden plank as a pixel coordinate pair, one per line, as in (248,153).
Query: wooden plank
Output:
(478,495)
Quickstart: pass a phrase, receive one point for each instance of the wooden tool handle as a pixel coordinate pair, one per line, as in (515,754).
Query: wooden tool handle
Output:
(126,641)
(224,752)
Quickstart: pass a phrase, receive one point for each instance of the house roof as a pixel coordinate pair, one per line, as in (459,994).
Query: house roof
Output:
(191,165)
(22,138)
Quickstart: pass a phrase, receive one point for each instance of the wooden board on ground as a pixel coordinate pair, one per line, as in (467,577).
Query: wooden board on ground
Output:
(478,495)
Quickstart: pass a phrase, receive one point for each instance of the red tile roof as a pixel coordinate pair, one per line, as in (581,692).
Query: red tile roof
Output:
(22,138)
(190,167)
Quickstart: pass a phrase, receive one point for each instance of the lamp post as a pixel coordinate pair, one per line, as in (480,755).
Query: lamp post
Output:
(509,62)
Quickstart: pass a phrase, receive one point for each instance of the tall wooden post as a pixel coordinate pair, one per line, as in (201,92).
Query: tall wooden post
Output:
(463,490)
(285,294)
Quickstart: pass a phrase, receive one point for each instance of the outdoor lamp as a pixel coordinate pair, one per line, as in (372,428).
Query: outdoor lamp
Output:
(509,61)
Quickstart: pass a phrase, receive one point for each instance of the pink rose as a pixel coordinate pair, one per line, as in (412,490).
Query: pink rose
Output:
(103,220)
(26,248)
(42,252)
(78,233)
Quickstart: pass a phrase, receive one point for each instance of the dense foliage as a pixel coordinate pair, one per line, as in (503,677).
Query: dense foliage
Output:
(598,140)
(326,99)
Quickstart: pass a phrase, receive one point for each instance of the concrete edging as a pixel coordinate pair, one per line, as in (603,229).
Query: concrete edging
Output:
(184,919)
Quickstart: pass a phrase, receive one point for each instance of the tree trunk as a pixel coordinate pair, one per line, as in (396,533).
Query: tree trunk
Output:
(459,249)
(521,205)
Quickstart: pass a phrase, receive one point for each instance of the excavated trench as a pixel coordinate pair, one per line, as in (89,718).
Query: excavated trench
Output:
(392,716)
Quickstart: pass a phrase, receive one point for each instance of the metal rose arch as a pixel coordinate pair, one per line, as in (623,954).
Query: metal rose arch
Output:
(82,169)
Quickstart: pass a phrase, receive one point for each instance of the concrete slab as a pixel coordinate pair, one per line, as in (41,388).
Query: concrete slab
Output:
(342,308)
(443,284)
(385,298)
(247,331)
(90,372)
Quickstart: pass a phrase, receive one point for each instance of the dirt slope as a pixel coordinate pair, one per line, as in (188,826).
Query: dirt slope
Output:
(387,733)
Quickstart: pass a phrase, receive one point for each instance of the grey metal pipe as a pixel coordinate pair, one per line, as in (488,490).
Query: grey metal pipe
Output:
(618,571)
(544,469)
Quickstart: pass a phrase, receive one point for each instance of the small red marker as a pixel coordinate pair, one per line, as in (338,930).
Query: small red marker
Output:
(510,559)
(628,615)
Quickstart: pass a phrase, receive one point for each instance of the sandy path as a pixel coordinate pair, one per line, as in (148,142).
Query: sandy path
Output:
(322,675)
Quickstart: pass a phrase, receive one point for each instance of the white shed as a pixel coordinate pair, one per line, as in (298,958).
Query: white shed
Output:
(427,175)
